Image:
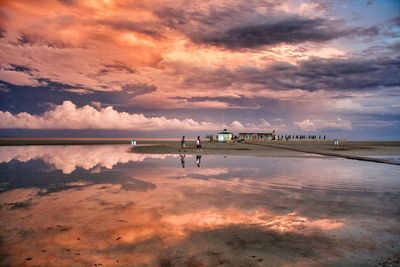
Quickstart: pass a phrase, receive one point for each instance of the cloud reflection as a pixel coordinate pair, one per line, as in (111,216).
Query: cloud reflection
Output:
(224,213)
(138,224)
(68,158)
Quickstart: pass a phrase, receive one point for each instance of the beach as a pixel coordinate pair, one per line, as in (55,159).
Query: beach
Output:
(375,151)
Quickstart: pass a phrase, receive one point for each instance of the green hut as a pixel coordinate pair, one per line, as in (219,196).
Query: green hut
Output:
(224,136)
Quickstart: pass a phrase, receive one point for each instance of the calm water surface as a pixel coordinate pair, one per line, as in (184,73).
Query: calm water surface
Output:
(91,205)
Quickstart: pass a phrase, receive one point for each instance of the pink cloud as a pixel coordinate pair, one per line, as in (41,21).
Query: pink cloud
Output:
(69,116)
(18,78)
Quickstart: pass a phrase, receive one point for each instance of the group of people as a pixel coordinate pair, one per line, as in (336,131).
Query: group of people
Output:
(287,137)
(183,147)
(183,144)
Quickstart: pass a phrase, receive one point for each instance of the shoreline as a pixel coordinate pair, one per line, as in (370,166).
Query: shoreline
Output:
(371,151)
(338,155)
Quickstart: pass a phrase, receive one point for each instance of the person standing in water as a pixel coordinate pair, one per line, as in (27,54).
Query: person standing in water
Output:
(183,144)
(198,144)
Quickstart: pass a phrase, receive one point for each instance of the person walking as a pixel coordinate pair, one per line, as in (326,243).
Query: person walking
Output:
(183,144)
(198,144)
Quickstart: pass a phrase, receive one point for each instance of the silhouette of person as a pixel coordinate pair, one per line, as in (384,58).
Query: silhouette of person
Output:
(183,144)
(198,160)
(198,144)
(182,160)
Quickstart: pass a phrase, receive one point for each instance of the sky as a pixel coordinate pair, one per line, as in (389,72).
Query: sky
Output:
(169,68)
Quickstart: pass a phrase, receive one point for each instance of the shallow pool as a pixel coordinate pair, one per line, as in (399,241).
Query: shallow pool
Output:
(90,205)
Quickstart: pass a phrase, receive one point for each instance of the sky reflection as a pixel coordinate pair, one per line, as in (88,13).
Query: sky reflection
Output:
(230,210)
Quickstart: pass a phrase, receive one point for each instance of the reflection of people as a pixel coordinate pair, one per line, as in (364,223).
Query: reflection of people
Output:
(198,160)
(182,160)
(183,144)
(198,144)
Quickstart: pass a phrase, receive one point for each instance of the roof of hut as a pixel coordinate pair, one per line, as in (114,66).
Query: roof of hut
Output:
(225,131)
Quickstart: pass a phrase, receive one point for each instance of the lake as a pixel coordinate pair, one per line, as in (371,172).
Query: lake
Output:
(104,206)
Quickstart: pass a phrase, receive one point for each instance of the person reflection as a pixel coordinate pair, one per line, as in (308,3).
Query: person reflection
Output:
(182,160)
(198,160)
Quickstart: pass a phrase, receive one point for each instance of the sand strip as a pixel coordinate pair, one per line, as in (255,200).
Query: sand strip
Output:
(330,154)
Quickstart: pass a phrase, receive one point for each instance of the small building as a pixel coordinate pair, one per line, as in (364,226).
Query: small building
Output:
(224,136)
(256,136)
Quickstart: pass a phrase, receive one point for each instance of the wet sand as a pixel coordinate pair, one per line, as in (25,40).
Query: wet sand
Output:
(374,151)
(214,148)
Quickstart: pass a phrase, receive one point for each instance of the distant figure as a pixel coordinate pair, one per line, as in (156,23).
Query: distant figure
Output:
(182,160)
(183,144)
(198,160)
(198,144)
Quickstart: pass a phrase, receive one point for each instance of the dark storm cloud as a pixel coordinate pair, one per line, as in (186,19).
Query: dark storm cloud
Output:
(290,30)
(310,75)
(241,26)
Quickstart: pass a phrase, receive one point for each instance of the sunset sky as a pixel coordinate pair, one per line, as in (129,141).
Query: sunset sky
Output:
(167,68)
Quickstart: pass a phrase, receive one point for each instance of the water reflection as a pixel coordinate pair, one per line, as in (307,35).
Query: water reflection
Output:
(69,158)
(232,211)
(198,160)
(183,156)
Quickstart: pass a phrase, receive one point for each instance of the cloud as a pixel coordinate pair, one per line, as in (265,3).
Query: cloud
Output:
(355,74)
(317,125)
(132,26)
(290,31)
(69,158)
(115,45)
(138,89)
(200,59)
(18,78)
(252,24)
(69,116)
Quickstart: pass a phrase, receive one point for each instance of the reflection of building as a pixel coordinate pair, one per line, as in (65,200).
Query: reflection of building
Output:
(256,136)
(224,136)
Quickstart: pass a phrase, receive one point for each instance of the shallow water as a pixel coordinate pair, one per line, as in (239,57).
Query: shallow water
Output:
(87,205)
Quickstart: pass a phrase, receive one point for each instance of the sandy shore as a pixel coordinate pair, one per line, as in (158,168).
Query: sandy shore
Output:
(375,151)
